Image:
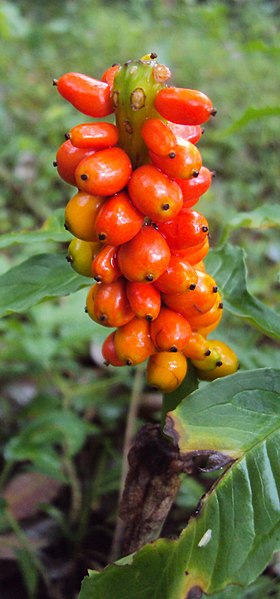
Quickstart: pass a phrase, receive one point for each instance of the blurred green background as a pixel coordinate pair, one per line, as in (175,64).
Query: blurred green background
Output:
(50,356)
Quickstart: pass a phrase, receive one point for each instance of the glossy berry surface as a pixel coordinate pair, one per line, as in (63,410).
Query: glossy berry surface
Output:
(158,137)
(67,159)
(105,173)
(170,331)
(166,371)
(184,106)
(80,255)
(118,221)
(97,136)
(179,276)
(145,257)
(183,161)
(145,300)
(134,226)
(154,194)
(188,229)
(104,266)
(80,215)
(133,342)
(90,96)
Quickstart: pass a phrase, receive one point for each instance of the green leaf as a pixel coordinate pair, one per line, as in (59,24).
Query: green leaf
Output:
(263,217)
(52,230)
(28,571)
(251,114)
(236,528)
(57,427)
(227,265)
(265,587)
(38,278)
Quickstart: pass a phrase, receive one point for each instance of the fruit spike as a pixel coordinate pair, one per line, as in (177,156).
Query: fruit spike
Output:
(134,92)
(135,231)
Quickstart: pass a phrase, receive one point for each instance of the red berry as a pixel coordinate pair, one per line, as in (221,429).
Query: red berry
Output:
(90,96)
(183,161)
(96,136)
(195,187)
(184,106)
(67,159)
(158,137)
(111,307)
(133,343)
(195,301)
(104,267)
(178,277)
(188,229)
(154,194)
(145,257)
(170,331)
(118,221)
(109,75)
(191,133)
(144,299)
(109,351)
(105,173)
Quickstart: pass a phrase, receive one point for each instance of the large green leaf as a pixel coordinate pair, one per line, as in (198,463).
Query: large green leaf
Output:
(227,265)
(236,528)
(38,278)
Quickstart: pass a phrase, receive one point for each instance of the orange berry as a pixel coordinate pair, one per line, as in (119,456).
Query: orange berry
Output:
(144,299)
(170,331)
(195,301)
(104,267)
(109,351)
(133,343)
(214,315)
(97,136)
(67,159)
(183,161)
(118,221)
(80,215)
(105,173)
(158,137)
(166,370)
(145,257)
(178,277)
(154,194)
(111,307)
(197,347)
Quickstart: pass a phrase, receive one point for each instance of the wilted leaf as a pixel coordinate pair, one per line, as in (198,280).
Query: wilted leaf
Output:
(26,491)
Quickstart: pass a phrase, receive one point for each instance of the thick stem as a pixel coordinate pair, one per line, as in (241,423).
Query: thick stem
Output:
(134,92)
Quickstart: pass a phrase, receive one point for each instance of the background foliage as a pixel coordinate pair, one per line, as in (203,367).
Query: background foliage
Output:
(63,414)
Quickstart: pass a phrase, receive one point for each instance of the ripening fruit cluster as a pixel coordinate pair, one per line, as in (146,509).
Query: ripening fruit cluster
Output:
(134,226)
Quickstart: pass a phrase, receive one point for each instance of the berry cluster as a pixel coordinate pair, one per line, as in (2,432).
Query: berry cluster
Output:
(135,230)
